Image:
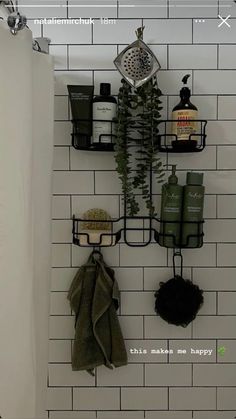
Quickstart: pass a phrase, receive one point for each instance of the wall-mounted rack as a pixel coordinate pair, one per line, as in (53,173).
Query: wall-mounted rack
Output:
(152,229)
(82,141)
(169,142)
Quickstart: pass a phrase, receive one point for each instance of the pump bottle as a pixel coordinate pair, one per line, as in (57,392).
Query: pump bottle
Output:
(171,211)
(193,203)
(104,110)
(184,114)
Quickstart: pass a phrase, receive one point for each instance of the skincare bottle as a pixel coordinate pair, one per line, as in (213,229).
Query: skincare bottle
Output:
(193,202)
(171,211)
(81,108)
(104,110)
(185,114)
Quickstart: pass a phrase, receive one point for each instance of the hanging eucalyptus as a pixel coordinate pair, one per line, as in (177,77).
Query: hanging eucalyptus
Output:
(138,113)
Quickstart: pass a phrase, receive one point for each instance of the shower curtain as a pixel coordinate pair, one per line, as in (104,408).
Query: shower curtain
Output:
(26,149)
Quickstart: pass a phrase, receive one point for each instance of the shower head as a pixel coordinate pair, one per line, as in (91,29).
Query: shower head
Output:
(16,22)
(137,63)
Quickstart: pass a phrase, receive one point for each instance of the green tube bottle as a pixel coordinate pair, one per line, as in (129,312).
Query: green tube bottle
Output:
(171,211)
(193,203)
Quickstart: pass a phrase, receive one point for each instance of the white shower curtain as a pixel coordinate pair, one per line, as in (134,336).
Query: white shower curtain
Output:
(26,147)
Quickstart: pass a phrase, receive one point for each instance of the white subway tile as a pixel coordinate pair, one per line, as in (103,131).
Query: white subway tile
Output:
(63,78)
(62,132)
(214,375)
(42,8)
(61,110)
(59,53)
(144,398)
(209,306)
(191,8)
(200,56)
(220,231)
(214,327)
(73,183)
(157,328)
(168,375)
(148,350)
(226,398)
(85,160)
(124,414)
(59,305)
(59,351)
(92,8)
(61,158)
(121,32)
(226,254)
(213,414)
(62,375)
(151,255)
(221,132)
(191,347)
(220,182)
(153,276)
(61,327)
(167,31)
(192,398)
(227,107)
(60,255)
(96,398)
(153,9)
(210,33)
(207,106)
(129,278)
(226,206)
(61,207)
(210,206)
(70,33)
(131,326)
(137,303)
(81,254)
(72,414)
(99,57)
(211,278)
(129,375)
(227,303)
(62,278)
(205,254)
(227,56)
(107,183)
(167,414)
(227,7)
(214,82)
(207,160)
(59,398)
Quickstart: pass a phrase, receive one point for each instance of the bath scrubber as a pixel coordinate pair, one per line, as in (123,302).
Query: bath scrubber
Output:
(96,229)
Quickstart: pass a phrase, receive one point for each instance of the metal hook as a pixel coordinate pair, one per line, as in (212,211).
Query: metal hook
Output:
(139,32)
(177,254)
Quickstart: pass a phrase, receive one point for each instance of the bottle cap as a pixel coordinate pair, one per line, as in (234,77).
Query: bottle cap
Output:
(105,89)
(173,178)
(194,178)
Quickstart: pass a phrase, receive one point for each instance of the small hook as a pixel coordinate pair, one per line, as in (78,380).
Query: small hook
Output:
(139,32)
(177,254)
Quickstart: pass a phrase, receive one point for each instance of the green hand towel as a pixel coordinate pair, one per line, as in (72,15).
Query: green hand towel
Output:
(94,298)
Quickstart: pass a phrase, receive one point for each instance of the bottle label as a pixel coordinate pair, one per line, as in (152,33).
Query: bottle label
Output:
(104,111)
(185,125)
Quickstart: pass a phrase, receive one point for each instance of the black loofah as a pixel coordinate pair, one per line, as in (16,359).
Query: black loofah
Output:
(178,301)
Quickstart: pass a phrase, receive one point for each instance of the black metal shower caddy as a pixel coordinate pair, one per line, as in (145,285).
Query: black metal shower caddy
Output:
(84,141)
(152,228)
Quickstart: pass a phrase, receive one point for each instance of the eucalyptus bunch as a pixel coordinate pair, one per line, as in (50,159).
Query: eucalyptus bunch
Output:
(138,119)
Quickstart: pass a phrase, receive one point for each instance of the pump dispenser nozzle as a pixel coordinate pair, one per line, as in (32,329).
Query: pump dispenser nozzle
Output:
(173,178)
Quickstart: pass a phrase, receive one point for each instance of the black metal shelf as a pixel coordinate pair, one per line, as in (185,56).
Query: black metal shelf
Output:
(81,141)
(152,229)
(168,142)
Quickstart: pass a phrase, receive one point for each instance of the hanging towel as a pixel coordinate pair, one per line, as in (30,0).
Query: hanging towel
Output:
(94,298)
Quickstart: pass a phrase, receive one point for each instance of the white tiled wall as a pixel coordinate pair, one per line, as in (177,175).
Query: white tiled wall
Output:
(151,386)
